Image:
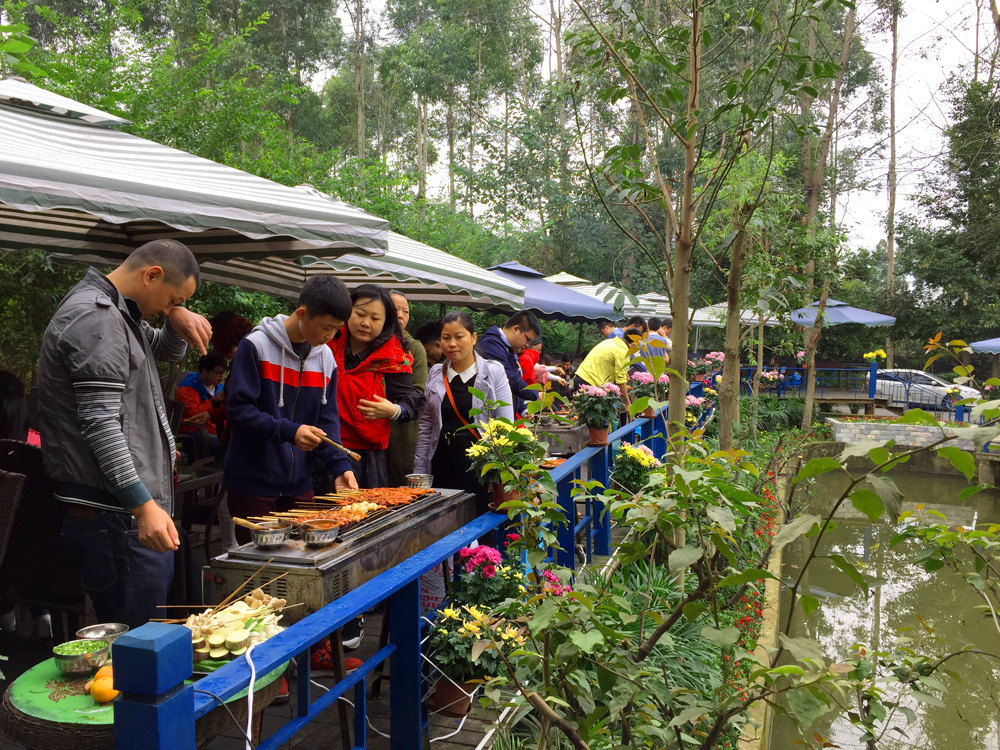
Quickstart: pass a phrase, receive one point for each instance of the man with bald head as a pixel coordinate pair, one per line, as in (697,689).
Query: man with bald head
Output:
(106,441)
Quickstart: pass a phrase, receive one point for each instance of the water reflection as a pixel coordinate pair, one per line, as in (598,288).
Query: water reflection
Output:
(902,592)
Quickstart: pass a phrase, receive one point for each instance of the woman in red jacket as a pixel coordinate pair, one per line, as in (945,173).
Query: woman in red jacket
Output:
(374,382)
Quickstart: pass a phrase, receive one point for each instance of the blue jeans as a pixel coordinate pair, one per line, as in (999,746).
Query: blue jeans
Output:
(125,580)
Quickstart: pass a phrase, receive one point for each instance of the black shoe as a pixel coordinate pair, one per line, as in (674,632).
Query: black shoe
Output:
(352,633)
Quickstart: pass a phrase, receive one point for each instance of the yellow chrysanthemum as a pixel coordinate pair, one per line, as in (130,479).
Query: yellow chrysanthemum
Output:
(450,613)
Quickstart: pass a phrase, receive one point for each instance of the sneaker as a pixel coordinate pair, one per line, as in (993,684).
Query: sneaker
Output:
(351,663)
(321,660)
(352,633)
(282,696)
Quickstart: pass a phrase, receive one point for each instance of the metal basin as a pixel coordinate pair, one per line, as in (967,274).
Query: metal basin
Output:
(319,533)
(420,481)
(275,535)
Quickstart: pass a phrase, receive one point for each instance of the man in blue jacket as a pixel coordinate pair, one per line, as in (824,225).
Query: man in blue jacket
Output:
(281,401)
(505,346)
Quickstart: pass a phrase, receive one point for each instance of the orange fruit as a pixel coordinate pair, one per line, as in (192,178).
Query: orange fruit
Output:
(102,691)
(103,672)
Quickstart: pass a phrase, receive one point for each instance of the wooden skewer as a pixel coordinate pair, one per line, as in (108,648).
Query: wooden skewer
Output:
(248,524)
(338,446)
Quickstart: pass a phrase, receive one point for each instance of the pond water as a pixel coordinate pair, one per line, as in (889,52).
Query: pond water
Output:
(970,718)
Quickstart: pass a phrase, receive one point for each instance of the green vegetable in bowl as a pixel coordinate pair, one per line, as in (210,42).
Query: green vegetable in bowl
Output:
(76,648)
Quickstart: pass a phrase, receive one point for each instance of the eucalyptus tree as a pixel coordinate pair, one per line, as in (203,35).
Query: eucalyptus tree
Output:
(698,91)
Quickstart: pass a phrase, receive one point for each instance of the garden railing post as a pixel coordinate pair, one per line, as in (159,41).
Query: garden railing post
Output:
(600,517)
(404,665)
(566,556)
(156,709)
(872,378)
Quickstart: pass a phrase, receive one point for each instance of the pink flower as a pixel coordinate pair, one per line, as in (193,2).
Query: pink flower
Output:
(549,576)
(470,566)
(642,377)
(488,553)
(513,537)
(664,378)
(466,552)
(612,388)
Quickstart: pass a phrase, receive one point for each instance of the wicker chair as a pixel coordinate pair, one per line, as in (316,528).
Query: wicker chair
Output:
(37,571)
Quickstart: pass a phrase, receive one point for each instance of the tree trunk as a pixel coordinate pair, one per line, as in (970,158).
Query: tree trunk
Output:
(729,392)
(421,157)
(449,126)
(890,222)
(814,185)
(357,14)
(683,239)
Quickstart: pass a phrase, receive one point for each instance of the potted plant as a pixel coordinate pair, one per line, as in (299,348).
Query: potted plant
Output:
(505,452)
(643,385)
(465,645)
(597,407)
(488,579)
(633,465)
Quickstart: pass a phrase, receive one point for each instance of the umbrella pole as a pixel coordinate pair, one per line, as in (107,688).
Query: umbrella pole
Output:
(996,365)
(579,340)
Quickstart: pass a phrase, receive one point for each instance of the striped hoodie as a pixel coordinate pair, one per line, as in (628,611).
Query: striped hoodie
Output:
(270,394)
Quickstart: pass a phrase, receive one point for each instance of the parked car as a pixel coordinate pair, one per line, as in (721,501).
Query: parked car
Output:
(916,388)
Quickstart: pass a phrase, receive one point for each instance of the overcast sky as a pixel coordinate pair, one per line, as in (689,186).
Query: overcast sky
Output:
(935,40)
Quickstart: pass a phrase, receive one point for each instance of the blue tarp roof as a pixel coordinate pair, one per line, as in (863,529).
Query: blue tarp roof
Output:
(988,346)
(838,312)
(553,300)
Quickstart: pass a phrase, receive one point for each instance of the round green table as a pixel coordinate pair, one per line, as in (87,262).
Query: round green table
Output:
(45,708)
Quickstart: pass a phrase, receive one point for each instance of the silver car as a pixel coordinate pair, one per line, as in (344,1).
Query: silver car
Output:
(919,389)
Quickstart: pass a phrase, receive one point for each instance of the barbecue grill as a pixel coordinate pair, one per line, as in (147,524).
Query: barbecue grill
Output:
(318,576)
(562,439)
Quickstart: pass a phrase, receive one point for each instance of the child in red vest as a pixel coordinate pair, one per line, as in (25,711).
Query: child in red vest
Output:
(375,384)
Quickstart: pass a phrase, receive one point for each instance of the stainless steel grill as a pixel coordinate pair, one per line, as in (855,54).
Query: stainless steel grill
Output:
(316,577)
(562,439)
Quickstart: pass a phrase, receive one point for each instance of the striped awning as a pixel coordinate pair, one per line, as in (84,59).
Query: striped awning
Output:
(421,272)
(626,304)
(69,182)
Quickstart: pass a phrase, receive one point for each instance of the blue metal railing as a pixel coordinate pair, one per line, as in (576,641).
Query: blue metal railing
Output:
(158,711)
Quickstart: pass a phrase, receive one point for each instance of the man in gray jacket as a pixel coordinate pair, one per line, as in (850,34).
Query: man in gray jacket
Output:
(106,441)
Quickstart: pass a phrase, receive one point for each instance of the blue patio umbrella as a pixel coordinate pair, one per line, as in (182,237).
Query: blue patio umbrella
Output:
(987,346)
(838,312)
(553,300)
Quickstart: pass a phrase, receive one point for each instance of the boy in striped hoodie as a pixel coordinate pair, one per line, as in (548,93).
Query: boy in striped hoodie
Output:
(281,402)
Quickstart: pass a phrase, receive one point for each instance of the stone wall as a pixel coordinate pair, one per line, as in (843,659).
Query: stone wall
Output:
(904,434)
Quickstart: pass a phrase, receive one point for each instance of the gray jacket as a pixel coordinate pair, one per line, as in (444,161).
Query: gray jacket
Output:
(98,384)
(491,379)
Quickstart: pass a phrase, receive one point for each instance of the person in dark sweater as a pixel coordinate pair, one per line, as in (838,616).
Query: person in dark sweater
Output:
(376,381)
(281,401)
(505,344)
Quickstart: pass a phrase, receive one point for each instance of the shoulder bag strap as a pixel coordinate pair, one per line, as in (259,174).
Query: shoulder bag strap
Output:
(451,399)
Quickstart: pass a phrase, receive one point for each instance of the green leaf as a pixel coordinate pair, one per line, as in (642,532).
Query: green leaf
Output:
(861,448)
(683,557)
(887,491)
(816,467)
(746,576)
(968,492)
(805,706)
(693,610)
(802,649)
(724,638)
(792,531)
(867,502)
(917,416)
(964,462)
(587,641)
(809,604)
(787,669)
(722,516)
(848,568)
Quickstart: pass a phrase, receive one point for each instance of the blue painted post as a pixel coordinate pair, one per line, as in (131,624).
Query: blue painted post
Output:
(404,666)
(872,377)
(156,709)
(600,518)
(566,556)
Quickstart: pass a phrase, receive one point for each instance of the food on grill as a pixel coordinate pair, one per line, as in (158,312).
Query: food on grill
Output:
(387,497)
(224,632)
(339,516)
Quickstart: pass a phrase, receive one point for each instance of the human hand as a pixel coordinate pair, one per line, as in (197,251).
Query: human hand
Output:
(201,417)
(377,408)
(191,327)
(559,371)
(345,481)
(308,437)
(157,530)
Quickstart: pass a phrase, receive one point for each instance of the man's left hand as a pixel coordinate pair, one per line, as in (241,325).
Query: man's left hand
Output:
(345,481)
(376,408)
(191,327)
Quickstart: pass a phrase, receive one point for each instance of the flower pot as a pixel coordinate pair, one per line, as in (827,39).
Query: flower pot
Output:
(449,699)
(598,436)
(502,495)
